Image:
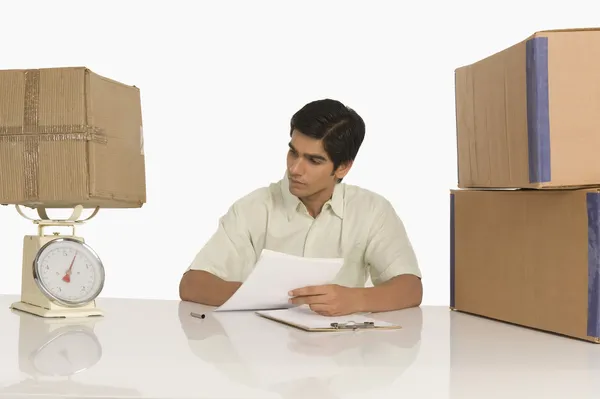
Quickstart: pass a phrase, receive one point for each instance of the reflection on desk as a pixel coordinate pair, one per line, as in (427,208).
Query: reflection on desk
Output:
(155,349)
(264,354)
(490,359)
(51,352)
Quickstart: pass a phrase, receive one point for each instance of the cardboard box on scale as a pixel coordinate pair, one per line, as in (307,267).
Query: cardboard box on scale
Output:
(528,257)
(68,137)
(528,116)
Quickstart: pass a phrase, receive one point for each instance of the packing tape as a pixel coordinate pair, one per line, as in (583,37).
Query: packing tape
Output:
(538,110)
(30,119)
(593,213)
(68,132)
(31,133)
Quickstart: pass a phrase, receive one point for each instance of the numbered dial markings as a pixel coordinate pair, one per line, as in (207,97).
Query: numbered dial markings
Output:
(69,272)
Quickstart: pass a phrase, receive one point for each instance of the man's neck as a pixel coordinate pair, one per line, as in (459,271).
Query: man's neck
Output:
(314,203)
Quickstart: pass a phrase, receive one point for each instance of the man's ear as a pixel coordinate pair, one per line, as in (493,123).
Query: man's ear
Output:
(343,170)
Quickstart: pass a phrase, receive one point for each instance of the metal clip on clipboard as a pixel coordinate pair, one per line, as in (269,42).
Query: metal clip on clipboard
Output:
(352,325)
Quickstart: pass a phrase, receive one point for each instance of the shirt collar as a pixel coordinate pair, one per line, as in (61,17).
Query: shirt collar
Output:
(292,203)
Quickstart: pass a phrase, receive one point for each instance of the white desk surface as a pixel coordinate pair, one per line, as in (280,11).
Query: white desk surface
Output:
(154,349)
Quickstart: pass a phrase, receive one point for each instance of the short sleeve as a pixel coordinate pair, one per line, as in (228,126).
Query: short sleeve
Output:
(389,252)
(228,253)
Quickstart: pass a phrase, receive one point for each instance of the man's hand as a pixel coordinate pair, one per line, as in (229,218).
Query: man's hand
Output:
(329,300)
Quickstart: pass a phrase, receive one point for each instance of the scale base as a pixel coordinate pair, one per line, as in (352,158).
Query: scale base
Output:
(56,313)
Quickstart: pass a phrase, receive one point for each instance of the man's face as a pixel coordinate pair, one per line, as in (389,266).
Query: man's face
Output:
(310,170)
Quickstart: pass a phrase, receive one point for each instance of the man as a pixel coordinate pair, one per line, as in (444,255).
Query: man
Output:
(311,213)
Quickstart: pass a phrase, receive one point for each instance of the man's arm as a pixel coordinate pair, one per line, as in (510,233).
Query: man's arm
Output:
(393,265)
(203,287)
(394,271)
(400,292)
(222,264)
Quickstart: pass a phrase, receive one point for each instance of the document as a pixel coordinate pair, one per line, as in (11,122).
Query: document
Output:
(275,274)
(304,318)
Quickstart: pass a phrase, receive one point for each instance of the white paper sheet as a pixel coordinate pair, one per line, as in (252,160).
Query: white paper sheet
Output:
(275,274)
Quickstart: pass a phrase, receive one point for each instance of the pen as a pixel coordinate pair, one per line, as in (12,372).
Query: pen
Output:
(198,315)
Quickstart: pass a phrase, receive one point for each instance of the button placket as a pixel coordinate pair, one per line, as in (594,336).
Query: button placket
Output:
(308,236)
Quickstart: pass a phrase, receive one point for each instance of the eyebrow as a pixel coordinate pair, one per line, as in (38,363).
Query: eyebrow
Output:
(312,156)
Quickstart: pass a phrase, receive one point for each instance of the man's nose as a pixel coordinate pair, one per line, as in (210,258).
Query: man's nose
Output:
(297,167)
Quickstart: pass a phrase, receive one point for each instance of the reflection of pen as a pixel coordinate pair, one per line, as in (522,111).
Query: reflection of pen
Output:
(198,315)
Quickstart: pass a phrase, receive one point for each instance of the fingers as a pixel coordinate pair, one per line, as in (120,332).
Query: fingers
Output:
(310,300)
(310,290)
(326,310)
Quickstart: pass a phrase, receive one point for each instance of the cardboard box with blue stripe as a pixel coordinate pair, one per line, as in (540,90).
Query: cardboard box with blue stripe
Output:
(525,219)
(529,116)
(528,257)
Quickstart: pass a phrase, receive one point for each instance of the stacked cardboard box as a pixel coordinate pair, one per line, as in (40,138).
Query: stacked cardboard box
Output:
(70,137)
(525,219)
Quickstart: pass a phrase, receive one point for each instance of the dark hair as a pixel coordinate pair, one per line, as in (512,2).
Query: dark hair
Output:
(340,128)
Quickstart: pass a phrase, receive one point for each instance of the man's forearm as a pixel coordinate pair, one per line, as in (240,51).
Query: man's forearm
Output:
(401,292)
(205,288)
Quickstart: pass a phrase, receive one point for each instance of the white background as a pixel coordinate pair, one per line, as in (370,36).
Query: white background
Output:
(219,82)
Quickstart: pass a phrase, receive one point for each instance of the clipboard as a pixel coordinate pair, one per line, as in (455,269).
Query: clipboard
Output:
(307,320)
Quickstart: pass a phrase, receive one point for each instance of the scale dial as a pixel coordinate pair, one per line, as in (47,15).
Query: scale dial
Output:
(68,272)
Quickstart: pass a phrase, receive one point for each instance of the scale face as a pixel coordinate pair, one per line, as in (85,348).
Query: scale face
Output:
(68,272)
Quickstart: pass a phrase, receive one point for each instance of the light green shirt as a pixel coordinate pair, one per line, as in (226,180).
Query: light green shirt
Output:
(355,224)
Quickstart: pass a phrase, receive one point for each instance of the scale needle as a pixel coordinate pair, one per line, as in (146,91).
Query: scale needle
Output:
(67,277)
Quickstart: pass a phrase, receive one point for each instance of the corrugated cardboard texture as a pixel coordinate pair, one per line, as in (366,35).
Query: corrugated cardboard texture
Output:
(69,136)
(528,257)
(527,116)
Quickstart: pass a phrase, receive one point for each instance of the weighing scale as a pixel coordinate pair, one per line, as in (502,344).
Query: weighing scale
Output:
(61,275)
